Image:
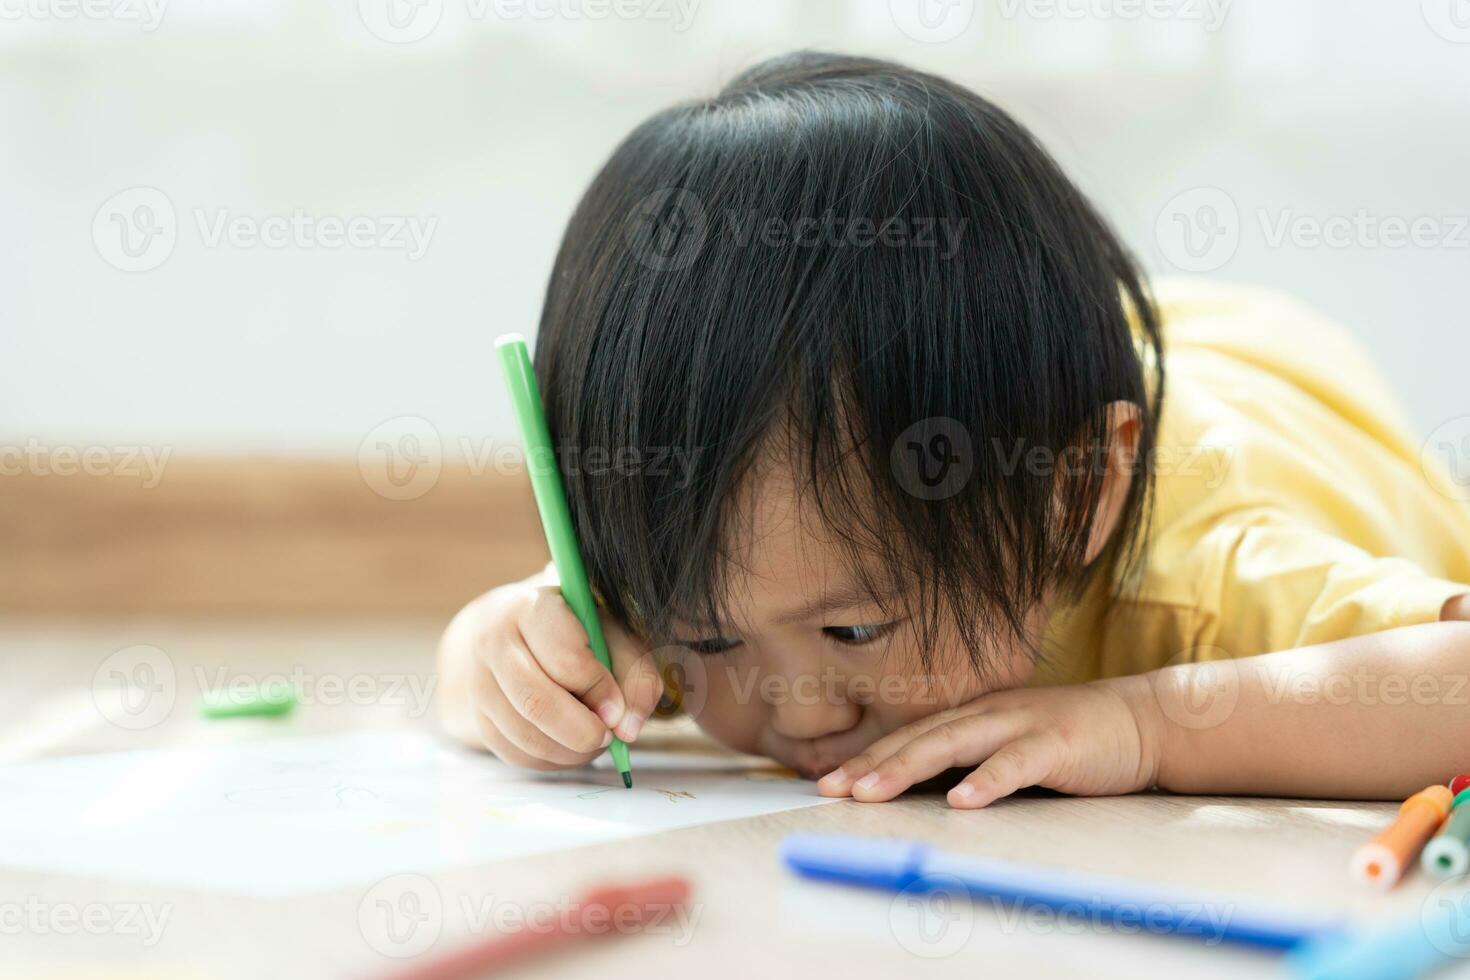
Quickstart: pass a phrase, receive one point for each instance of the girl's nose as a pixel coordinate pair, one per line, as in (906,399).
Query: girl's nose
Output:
(802,709)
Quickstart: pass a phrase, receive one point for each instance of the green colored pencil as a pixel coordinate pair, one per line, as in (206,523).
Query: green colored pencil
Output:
(551,502)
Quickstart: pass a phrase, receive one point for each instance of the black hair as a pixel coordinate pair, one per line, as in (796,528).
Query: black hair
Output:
(872,263)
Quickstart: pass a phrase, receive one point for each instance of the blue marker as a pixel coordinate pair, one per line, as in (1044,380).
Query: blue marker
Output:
(1415,947)
(1126,904)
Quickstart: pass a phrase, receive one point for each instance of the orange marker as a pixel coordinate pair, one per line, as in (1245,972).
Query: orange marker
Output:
(1383,860)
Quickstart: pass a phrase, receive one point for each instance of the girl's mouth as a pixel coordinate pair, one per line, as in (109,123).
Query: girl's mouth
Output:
(815,757)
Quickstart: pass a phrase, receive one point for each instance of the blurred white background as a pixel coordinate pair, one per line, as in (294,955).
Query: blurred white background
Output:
(150,144)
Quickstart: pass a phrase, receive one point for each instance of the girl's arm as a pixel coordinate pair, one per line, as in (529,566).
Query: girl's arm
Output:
(1378,717)
(1373,717)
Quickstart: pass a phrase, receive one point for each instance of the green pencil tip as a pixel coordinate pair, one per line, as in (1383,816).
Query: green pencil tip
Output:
(628,780)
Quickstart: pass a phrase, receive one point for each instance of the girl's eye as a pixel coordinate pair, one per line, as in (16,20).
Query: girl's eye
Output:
(711,646)
(856,635)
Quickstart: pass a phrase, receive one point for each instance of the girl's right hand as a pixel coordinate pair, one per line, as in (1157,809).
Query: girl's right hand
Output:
(518,677)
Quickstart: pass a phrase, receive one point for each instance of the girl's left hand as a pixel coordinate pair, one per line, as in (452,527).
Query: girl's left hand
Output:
(1089,739)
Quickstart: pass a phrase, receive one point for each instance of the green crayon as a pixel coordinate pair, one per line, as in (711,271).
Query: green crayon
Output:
(551,503)
(1448,853)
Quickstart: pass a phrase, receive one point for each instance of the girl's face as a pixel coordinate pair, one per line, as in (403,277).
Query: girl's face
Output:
(812,670)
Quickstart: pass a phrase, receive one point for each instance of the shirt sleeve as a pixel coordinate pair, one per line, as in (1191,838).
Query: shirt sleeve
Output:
(1280,584)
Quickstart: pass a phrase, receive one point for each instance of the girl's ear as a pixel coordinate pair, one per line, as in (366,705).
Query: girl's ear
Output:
(1124,429)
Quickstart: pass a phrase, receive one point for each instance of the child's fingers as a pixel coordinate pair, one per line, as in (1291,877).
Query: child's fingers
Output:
(509,735)
(491,736)
(524,738)
(520,735)
(839,781)
(634,664)
(1024,762)
(961,742)
(559,644)
(544,705)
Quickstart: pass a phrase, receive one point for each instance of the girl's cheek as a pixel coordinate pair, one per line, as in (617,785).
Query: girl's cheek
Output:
(725,715)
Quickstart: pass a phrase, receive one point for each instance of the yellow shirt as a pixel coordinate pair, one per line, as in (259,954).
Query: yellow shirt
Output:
(1292,506)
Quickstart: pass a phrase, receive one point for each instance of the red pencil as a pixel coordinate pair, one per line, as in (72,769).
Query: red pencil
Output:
(603,912)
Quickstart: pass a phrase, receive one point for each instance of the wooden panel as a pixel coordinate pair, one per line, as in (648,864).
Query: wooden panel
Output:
(232,535)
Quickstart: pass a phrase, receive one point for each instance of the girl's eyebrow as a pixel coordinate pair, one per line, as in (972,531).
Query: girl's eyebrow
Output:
(844,597)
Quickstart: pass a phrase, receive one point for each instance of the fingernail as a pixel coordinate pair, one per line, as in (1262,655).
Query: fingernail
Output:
(962,792)
(834,776)
(631,726)
(868,782)
(606,739)
(611,713)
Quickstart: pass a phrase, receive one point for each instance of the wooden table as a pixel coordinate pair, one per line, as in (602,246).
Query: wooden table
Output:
(749,918)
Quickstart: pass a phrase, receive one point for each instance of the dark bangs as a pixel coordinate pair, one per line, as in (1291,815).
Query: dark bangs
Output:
(889,272)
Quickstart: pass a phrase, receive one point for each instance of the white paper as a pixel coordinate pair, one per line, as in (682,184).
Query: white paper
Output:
(307,814)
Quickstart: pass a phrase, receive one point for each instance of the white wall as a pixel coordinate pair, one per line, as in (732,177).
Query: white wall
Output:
(492,123)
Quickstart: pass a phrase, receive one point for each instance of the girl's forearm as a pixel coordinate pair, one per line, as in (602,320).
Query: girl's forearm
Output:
(1373,717)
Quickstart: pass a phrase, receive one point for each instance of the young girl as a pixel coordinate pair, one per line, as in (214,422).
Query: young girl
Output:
(938,508)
